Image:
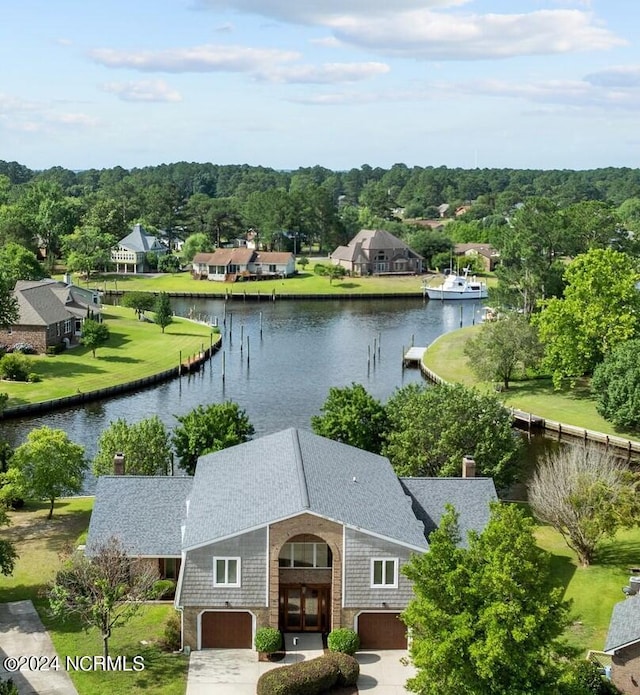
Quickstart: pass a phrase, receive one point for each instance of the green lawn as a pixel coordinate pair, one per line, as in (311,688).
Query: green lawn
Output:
(593,590)
(135,349)
(305,283)
(572,406)
(39,543)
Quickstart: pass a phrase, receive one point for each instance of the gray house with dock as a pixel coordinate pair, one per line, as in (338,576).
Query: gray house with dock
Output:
(291,530)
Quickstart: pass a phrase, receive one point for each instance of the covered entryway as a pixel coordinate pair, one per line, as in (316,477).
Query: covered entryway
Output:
(226,630)
(382,631)
(304,608)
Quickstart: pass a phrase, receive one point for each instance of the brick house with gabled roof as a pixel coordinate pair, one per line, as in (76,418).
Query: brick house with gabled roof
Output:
(50,313)
(230,264)
(291,530)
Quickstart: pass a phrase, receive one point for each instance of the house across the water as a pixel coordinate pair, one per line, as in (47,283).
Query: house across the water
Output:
(291,530)
(231,264)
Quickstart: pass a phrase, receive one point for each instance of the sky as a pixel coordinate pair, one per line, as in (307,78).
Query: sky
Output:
(548,84)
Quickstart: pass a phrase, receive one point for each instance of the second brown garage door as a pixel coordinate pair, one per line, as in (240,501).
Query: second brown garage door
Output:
(226,630)
(382,631)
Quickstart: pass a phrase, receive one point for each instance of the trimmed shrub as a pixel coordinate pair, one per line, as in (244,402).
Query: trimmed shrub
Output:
(268,640)
(343,640)
(34,378)
(348,667)
(56,349)
(164,589)
(303,678)
(171,640)
(14,367)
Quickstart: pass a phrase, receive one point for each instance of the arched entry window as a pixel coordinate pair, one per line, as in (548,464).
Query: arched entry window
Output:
(305,552)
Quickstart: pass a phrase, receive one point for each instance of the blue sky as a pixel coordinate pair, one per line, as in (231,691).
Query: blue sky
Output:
(289,83)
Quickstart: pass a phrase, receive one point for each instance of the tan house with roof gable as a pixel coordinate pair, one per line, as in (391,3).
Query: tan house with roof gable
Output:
(377,252)
(228,265)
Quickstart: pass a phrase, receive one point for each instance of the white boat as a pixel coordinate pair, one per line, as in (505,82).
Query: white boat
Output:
(457,287)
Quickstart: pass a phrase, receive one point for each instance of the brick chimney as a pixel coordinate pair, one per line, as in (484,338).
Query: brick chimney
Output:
(118,464)
(468,467)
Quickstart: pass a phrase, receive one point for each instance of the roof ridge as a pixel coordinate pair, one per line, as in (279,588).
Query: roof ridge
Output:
(302,478)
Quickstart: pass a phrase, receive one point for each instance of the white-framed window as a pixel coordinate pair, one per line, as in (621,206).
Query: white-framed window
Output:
(226,571)
(384,572)
(305,555)
(67,326)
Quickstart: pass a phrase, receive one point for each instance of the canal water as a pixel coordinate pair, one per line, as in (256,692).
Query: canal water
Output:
(280,358)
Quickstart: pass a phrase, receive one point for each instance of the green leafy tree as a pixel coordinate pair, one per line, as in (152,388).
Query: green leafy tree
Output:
(431,429)
(195,243)
(335,272)
(484,619)
(303,262)
(163,311)
(503,347)
(168,263)
(145,445)
(139,302)
(8,303)
(616,386)
(19,263)
(47,466)
(206,429)
(429,243)
(103,590)
(599,310)
(94,334)
(530,248)
(88,249)
(586,495)
(352,416)
(8,554)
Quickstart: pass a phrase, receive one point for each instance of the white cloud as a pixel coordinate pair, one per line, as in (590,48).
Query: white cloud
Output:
(29,116)
(624,76)
(320,11)
(207,58)
(145,90)
(225,28)
(329,73)
(438,36)
(575,94)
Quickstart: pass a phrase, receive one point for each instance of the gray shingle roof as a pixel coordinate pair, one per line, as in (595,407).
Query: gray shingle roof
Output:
(291,472)
(470,497)
(138,240)
(624,627)
(144,512)
(39,303)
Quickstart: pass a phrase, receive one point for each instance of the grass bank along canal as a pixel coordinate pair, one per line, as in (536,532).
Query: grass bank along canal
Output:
(280,358)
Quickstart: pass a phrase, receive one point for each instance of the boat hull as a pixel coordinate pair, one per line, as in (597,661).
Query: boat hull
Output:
(437,293)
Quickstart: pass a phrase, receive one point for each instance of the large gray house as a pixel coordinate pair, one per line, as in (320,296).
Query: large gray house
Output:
(290,530)
(130,255)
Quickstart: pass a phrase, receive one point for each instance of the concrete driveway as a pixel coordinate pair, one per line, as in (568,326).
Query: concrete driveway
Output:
(22,634)
(236,671)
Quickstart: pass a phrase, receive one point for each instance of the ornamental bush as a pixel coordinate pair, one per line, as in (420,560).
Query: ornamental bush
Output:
(268,640)
(14,367)
(24,348)
(164,589)
(343,640)
(348,667)
(302,678)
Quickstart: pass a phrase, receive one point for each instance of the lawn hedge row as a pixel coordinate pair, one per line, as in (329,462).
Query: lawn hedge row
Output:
(310,677)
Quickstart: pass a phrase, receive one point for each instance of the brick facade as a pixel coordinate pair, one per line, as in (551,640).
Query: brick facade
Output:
(40,337)
(331,533)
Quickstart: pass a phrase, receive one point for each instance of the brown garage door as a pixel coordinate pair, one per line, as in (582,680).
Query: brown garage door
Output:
(226,630)
(382,631)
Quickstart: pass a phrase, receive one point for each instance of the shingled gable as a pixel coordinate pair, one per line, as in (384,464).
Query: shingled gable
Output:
(138,240)
(291,472)
(471,498)
(624,628)
(145,513)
